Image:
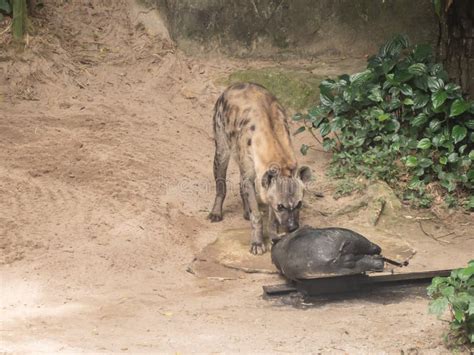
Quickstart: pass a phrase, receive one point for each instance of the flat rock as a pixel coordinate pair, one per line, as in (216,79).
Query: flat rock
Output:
(230,251)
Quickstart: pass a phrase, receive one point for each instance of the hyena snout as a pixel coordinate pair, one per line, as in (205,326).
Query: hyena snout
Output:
(287,218)
(290,223)
(292,226)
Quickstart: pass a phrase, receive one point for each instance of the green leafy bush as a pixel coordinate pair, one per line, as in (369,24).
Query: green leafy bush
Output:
(400,120)
(5,8)
(455,293)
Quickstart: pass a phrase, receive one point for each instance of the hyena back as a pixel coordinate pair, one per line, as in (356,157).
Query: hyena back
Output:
(249,121)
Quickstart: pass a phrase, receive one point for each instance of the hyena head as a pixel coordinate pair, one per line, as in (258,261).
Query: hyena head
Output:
(285,195)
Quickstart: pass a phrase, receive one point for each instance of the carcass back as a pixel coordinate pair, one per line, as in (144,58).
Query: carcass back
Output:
(311,252)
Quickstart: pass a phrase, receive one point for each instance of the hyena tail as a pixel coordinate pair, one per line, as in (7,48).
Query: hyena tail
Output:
(221,160)
(218,118)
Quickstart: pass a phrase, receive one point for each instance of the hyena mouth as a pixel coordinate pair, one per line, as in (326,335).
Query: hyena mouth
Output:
(292,229)
(287,229)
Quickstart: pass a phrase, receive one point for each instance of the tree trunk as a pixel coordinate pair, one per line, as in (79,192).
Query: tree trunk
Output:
(456,43)
(19,19)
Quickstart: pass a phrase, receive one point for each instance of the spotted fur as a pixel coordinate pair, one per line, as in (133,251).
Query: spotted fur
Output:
(249,121)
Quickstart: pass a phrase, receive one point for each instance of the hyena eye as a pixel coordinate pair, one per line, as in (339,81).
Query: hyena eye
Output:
(280,207)
(299,204)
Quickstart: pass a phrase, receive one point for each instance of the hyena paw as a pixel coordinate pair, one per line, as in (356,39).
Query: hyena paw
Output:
(258,248)
(215,217)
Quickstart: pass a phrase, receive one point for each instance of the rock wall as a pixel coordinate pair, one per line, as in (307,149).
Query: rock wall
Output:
(456,48)
(289,27)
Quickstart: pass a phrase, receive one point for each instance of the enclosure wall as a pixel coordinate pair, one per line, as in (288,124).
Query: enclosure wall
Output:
(295,27)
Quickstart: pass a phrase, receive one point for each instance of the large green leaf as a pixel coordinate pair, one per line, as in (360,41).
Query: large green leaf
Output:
(422,52)
(411,161)
(435,84)
(406,90)
(375,95)
(421,82)
(394,46)
(438,98)
(325,100)
(326,87)
(317,121)
(359,141)
(425,162)
(304,149)
(338,122)
(453,157)
(402,76)
(453,90)
(449,184)
(392,125)
(415,183)
(317,111)
(394,104)
(362,77)
(419,120)
(458,133)
(436,283)
(470,205)
(374,62)
(435,125)
(299,130)
(344,78)
(340,105)
(417,69)
(298,117)
(383,116)
(424,143)
(5,7)
(388,65)
(447,291)
(459,106)
(420,100)
(348,96)
(324,129)
(466,273)
(328,144)
(408,102)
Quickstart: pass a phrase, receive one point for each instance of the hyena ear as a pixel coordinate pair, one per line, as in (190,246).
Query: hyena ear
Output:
(304,173)
(267,178)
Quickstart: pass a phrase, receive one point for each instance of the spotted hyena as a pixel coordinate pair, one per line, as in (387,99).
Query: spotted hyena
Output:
(250,121)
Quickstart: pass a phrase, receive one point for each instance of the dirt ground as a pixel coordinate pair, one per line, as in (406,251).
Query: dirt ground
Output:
(105,184)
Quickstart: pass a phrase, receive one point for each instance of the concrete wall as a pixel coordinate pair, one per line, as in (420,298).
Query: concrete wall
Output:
(289,27)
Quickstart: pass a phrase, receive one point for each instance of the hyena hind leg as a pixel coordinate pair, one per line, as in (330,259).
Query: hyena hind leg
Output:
(221,162)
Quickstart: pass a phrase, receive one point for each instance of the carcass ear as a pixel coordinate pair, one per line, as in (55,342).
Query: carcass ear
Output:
(275,240)
(304,173)
(267,178)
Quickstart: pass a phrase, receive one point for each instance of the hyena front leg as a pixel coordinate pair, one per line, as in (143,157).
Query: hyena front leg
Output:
(221,162)
(257,246)
(245,201)
(272,225)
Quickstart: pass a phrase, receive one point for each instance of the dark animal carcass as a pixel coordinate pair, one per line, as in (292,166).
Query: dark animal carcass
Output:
(311,252)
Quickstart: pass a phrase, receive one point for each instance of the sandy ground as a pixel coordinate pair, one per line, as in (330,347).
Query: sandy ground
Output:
(105,183)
